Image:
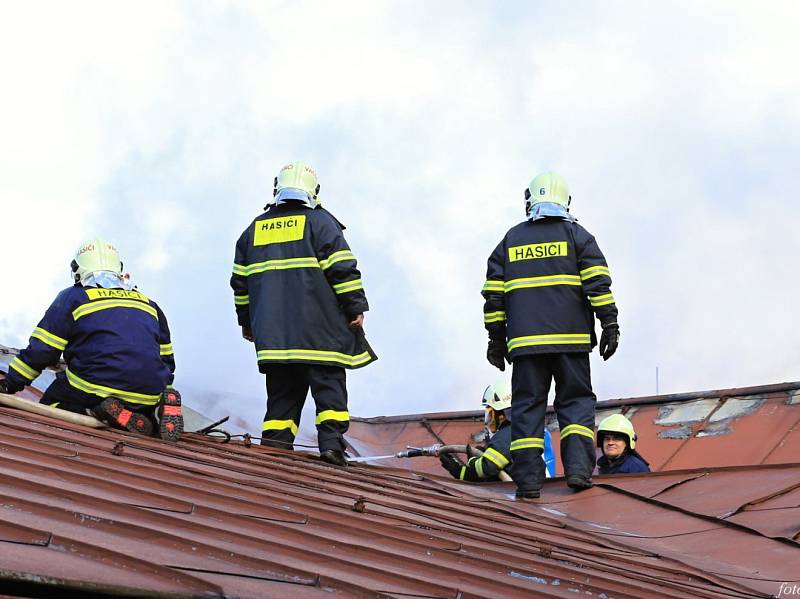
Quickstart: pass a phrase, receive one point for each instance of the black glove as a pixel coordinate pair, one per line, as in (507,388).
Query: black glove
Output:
(497,354)
(609,340)
(3,386)
(452,465)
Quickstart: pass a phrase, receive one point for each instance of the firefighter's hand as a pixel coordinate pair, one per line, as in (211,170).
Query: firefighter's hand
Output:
(497,354)
(609,340)
(357,322)
(452,465)
(247,333)
(3,386)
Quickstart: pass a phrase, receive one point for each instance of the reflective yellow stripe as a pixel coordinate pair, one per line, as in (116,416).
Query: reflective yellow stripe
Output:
(348,286)
(48,338)
(601,300)
(494,317)
(527,443)
(166,349)
(332,415)
(594,271)
(312,354)
(22,368)
(462,473)
(98,305)
(479,468)
(102,391)
(283,264)
(335,257)
(577,429)
(496,457)
(492,285)
(545,281)
(279,425)
(241,300)
(558,339)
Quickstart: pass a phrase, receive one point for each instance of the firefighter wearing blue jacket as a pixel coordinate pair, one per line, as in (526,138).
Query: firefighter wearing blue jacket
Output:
(300,299)
(116,344)
(545,281)
(616,438)
(497,455)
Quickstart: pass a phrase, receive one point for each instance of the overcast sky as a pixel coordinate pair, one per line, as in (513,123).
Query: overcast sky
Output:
(160,126)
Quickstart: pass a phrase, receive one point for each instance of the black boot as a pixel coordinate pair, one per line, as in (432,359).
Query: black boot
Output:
(333,456)
(579,482)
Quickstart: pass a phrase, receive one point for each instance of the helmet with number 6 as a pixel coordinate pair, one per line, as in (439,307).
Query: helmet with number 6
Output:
(547,187)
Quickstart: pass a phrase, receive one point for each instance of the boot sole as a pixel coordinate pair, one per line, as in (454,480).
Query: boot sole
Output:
(112,412)
(170,416)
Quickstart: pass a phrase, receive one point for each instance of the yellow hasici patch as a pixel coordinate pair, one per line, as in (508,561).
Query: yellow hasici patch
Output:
(279,230)
(534,251)
(94,294)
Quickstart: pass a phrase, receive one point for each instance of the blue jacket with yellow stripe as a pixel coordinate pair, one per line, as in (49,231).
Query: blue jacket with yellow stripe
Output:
(544,282)
(296,285)
(115,343)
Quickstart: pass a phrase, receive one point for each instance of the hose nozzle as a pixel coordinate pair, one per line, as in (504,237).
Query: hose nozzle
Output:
(416,452)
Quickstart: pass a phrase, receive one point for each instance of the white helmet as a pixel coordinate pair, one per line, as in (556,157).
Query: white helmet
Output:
(498,396)
(94,257)
(296,181)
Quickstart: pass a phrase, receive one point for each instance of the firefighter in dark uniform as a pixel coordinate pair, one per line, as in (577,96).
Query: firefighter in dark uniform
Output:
(300,298)
(496,457)
(617,439)
(545,281)
(117,347)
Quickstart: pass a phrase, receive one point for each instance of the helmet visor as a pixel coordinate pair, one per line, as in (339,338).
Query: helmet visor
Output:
(104,279)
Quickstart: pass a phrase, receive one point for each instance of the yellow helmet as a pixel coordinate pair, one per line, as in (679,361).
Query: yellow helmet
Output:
(616,423)
(547,187)
(95,256)
(296,181)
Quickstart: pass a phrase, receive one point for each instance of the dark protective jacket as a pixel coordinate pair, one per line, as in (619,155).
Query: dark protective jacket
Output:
(296,285)
(544,281)
(628,462)
(115,343)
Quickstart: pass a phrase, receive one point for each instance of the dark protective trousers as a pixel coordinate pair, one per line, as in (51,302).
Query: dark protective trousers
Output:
(574,405)
(60,394)
(287,388)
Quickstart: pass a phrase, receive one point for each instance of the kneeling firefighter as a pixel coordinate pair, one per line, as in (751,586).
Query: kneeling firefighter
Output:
(117,347)
(497,455)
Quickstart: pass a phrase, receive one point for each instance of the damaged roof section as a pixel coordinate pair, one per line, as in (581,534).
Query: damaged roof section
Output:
(93,510)
(731,427)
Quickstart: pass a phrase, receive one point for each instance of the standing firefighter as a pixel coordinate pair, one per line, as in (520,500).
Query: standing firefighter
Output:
(299,297)
(545,280)
(116,344)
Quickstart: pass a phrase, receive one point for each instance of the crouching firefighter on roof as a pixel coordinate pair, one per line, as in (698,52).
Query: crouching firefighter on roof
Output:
(117,347)
(545,282)
(496,456)
(300,299)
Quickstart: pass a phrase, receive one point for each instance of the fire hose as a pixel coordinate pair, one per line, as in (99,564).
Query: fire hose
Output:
(437,450)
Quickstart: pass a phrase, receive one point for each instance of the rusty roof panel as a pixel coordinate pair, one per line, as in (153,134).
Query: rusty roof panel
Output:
(106,510)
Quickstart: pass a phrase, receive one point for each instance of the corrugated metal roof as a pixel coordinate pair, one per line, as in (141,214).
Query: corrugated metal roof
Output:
(106,511)
(730,427)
